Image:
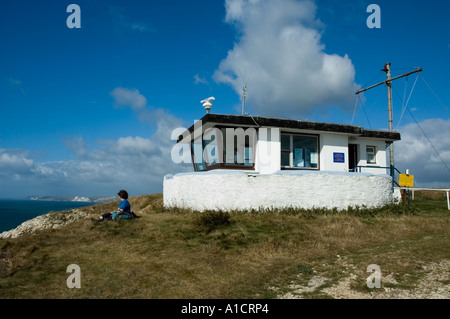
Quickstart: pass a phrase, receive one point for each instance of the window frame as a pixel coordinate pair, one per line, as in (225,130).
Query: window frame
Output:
(221,149)
(291,151)
(374,153)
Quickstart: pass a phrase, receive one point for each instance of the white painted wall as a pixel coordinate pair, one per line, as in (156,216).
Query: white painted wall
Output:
(329,144)
(268,151)
(237,190)
(381,155)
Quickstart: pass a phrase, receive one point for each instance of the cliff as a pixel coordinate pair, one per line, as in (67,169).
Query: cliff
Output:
(46,221)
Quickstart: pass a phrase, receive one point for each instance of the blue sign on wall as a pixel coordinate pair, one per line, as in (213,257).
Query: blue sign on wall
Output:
(338,157)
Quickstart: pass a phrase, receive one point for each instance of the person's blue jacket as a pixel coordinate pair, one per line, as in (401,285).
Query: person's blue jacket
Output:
(125,206)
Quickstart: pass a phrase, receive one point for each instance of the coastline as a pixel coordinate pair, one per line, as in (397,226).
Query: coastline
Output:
(48,220)
(15,212)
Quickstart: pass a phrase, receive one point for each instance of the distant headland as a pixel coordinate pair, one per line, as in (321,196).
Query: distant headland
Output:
(90,199)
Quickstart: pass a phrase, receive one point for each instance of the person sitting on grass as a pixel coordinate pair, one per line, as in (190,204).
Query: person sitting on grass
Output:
(124,209)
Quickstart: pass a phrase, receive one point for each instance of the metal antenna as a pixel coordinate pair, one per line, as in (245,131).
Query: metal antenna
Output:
(388,82)
(244,95)
(244,77)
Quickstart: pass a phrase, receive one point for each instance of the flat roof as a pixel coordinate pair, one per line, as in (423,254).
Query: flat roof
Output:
(259,121)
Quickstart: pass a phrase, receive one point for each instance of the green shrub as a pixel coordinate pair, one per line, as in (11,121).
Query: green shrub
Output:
(211,219)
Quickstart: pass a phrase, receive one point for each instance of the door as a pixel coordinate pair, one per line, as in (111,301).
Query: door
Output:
(352,156)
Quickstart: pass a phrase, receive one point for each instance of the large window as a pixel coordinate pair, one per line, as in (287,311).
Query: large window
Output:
(198,155)
(238,146)
(299,151)
(224,147)
(206,153)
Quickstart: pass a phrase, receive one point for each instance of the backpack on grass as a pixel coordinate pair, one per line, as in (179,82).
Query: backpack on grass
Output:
(123,215)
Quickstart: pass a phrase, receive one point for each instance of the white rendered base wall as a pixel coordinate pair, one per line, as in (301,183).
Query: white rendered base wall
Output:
(238,190)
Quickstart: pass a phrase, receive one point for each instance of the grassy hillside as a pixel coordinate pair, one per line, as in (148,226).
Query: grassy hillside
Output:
(182,254)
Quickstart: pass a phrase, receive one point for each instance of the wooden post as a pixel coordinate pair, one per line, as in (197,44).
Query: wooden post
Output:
(387,69)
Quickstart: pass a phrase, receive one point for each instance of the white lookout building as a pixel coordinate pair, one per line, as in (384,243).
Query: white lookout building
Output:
(249,162)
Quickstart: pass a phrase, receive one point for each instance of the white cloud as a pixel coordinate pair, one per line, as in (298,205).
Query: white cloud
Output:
(135,163)
(199,80)
(15,161)
(280,57)
(414,152)
(128,97)
(76,145)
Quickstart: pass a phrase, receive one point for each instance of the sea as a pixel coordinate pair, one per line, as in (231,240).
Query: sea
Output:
(14,212)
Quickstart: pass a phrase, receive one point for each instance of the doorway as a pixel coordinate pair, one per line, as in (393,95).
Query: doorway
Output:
(352,156)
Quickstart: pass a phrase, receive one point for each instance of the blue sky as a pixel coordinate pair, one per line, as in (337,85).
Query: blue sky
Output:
(88,111)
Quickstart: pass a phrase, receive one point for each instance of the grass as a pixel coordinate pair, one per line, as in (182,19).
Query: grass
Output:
(177,253)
